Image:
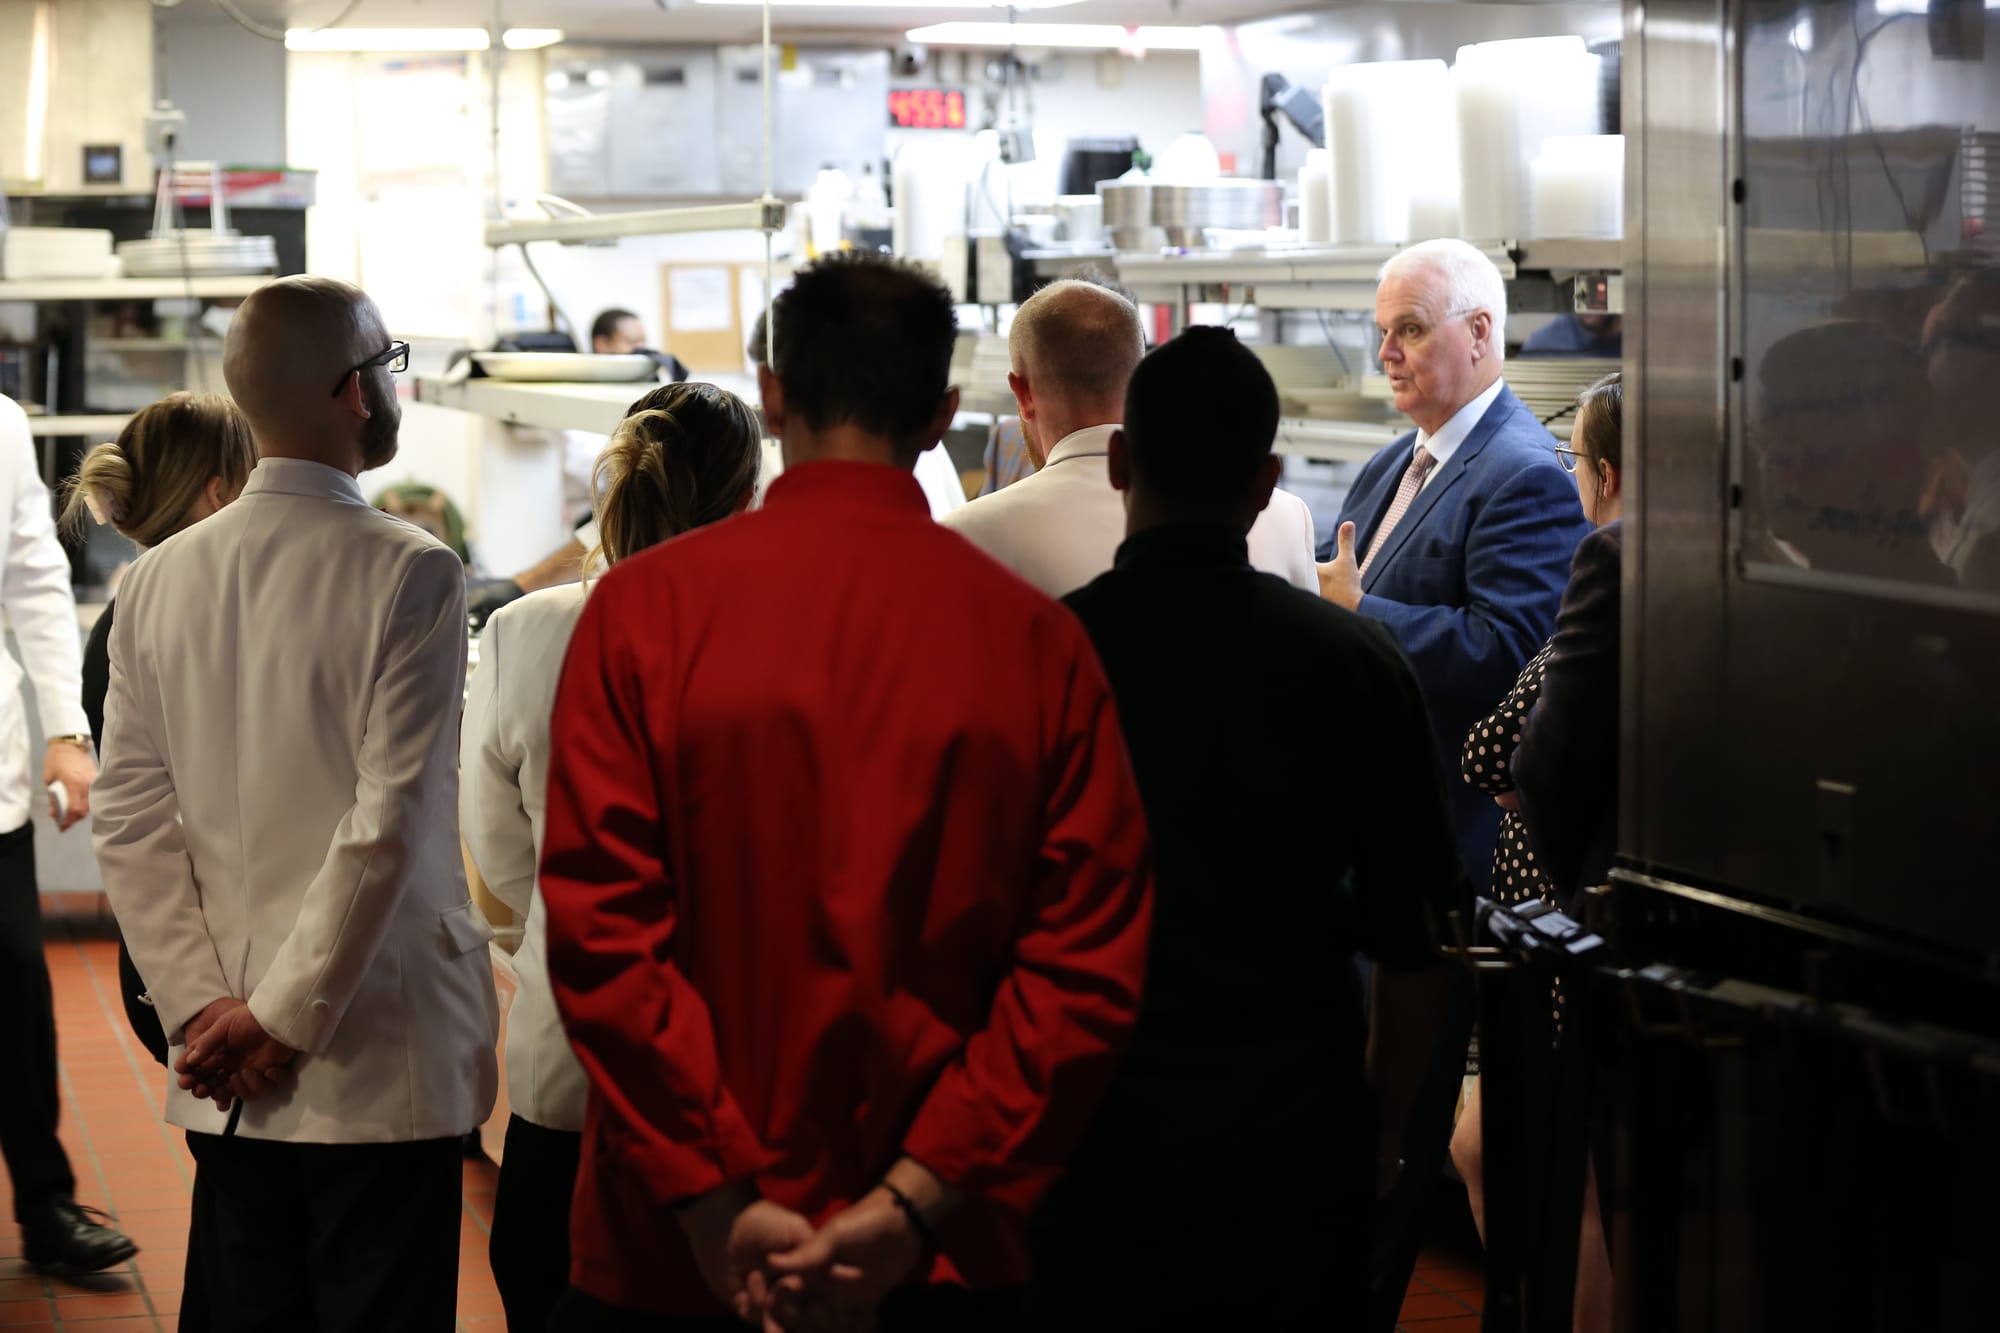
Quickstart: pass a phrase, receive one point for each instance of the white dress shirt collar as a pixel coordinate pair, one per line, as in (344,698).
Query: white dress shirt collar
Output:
(1090,442)
(1454,432)
(299,476)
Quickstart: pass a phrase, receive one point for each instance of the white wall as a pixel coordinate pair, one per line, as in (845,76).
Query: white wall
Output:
(231,84)
(1077,94)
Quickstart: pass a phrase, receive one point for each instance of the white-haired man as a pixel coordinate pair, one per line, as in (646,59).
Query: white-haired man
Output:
(1074,345)
(1458,538)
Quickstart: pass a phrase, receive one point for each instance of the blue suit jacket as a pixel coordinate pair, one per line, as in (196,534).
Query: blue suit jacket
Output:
(1469,581)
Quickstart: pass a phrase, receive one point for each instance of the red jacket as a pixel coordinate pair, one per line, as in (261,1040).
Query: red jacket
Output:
(844,860)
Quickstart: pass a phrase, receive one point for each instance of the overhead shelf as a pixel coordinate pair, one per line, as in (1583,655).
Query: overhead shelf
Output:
(65,425)
(597,408)
(127,289)
(1551,275)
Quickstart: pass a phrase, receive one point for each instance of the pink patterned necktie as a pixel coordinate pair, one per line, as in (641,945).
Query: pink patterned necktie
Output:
(1406,495)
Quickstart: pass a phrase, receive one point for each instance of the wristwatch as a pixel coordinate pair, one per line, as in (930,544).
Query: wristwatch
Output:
(81,741)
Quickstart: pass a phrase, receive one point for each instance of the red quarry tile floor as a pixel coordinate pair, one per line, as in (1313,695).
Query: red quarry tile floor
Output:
(135,1167)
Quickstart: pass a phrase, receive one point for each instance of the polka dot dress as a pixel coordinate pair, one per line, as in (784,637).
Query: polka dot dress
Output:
(1488,765)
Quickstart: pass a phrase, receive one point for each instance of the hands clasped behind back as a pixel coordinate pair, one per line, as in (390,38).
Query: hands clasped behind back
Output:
(780,1274)
(228,1057)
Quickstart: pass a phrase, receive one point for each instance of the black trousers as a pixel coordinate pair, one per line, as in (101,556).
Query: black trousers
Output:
(328,1238)
(28,1113)
(1404,1216)
(530,1246)
(911,1310)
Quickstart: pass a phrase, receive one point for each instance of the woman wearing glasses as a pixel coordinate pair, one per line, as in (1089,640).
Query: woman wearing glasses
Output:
(1549,757)
(686,455)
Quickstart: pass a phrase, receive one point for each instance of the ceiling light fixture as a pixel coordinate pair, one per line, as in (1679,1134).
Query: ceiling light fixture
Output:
(386,39)
(1073,36)
(530,39)
(898,4)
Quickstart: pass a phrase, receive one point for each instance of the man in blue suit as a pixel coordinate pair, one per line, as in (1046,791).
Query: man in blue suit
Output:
(1458,538)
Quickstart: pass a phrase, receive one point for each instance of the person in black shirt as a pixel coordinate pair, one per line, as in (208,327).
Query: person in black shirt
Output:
(1229,1179)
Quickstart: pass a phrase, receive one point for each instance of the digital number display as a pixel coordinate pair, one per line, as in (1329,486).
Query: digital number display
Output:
(927,109)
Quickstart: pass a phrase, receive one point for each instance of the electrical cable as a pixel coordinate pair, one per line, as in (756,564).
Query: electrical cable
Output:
(1327,333)
(250,25)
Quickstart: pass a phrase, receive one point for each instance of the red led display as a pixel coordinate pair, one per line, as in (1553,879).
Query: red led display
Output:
(927,109)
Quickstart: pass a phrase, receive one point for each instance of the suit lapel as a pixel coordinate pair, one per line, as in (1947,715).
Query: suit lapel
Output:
(1489,425)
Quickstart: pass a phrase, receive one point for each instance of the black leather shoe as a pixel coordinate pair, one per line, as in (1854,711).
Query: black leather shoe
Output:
(64,1237)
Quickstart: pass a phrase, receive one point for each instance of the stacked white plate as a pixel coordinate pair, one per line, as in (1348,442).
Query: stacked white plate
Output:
(54,252)
(1548,385)
(198,252)
(987,376)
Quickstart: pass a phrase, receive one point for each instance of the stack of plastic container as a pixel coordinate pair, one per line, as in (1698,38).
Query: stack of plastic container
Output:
(1512,96)
(1577,187)
(1390,134)
(1316,197)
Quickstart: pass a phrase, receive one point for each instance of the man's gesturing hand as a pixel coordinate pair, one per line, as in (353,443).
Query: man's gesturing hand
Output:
(1340,577)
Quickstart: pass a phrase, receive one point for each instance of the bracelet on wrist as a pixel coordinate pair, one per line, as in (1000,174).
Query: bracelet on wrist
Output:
(918,1222)
(82,742)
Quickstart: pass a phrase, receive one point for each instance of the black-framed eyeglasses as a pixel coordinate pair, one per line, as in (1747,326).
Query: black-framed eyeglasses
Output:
(1567,457)
(397,358)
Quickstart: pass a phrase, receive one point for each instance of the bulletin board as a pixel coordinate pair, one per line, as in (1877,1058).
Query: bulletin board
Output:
(701,308)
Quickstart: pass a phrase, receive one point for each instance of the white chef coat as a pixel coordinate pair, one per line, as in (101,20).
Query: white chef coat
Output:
(503,789)
(1062,527)
(35,589)
(277,816)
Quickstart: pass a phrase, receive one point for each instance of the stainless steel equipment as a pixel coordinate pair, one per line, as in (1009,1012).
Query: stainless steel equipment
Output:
(1128,214)
(1186,212)
(1147,214)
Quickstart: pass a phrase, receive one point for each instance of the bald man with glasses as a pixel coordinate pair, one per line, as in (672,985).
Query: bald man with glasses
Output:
(277,827)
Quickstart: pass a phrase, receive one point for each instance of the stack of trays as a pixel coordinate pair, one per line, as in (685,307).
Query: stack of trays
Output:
(55,252)
(1549,384)
(198,253)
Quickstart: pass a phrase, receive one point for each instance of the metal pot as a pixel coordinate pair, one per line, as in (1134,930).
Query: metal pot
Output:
(1239,205)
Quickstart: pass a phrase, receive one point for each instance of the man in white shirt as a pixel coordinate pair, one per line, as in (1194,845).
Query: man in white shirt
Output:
(277,829)
(34,588)
(1074,345)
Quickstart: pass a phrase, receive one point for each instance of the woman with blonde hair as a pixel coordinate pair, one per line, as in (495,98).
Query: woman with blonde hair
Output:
(685,455)
(175,463)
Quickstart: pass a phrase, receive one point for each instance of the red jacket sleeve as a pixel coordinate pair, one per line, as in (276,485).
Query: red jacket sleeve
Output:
(1004,1117)
(643,1033)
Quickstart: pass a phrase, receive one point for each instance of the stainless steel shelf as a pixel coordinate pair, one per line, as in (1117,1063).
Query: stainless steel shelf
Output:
(63,425)
(1540,274)
(1335,441)
(127,289)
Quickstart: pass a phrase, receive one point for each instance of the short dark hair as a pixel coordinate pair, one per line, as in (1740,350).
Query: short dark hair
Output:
(607,322)
(1201,415)
(865,341)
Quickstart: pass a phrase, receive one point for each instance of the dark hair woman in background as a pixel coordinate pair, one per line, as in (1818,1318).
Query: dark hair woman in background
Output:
(1549,756)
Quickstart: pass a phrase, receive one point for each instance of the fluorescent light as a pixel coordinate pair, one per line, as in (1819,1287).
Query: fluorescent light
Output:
(386,39)
(1083,36)
(897,4)
(530,39)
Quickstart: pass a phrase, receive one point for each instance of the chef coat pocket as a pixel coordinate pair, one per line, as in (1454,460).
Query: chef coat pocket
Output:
(465,929)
